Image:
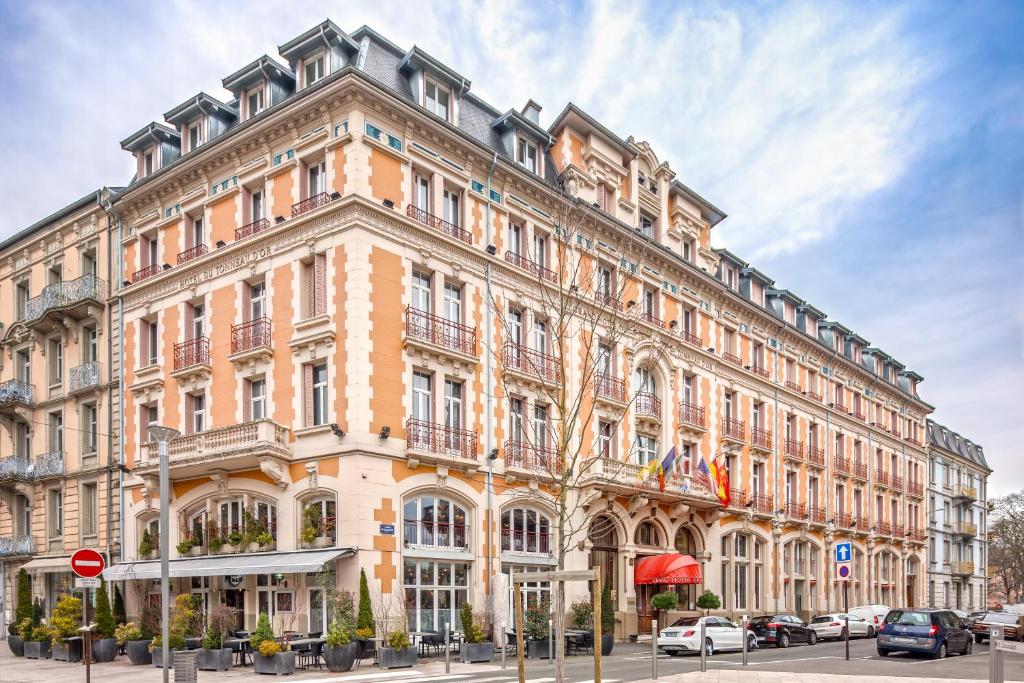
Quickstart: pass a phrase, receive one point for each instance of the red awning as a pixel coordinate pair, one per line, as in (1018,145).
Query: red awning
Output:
(672,568)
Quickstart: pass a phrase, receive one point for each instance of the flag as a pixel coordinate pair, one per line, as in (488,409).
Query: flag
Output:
(665,466)
(703,476)
(720,480)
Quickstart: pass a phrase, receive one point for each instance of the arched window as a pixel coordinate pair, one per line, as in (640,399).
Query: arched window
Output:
(525,531)
(319,518)
(743,572)
(435,522)
(603,555)
(644,381)
(686,544)
(647,534)
(800,563)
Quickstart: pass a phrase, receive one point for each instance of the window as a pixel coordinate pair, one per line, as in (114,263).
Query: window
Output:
(21,297)
(647,534)
(540,249)
(515,237)
(421,396)
(688,250)
(150,248)
(605,438)
(539,337)
(257,399)
(197,236)
(317,383)
(515,420)
(316,177)
(605,282)
(646,225)
(604,197)
(525,531)
(55,362)
(90,348)
(90,513)
(147,164)
(314,286)
(314,69)
(196,412)
(526,154)
(150,342)
(438,99)
(452,404)
(90,428)
(435,522)
(22,440)
(256,205)
(434,594)
(255,102)
(421,192)
(540,426)
(147,419)
(198,327)
(452,302)
(257,300)
(56,432)
(55,513)
(646,449)
(193,136)
(54,274)
(451,207)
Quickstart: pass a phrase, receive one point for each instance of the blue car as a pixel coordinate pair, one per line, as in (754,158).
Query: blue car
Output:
(935,632)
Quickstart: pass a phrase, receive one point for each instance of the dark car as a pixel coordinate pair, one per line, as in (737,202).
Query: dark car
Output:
(1013,626)
(935,632)
(782,630)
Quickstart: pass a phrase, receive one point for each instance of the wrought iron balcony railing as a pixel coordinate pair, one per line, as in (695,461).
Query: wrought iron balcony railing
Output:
(652,319)
(815,456)
(691,339)
(251,335)
(842,464)
(605,299)
(439,439)
(253,228)
(145,273)
(535,268)
(21,468)
(192,352)
(648,405)
(761,438)
(432,221)
(518,541)
(446,334)
(881,477)
(63,294)
(522,455)
(313,202)
(734,429)
(609,387)
(763,504)
(690,414)
(436,535)
(527,361)
(794,449)
(816,515)
(731,358)
(792,386)
(84,376)
(796,510)
(16,392)
(19,546)
(192,253)
(760,371)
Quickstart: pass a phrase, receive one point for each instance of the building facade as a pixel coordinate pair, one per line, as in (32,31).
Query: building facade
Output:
(957,521)
(367,299)
(58,470)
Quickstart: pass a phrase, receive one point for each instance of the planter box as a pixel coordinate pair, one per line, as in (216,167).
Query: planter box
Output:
(70,651)
(138,652)
(214,660)
(227,549)
(538,649)
(607,642)
(195,551)
(390,658)
(37,650)
(158,657)
(341,658)
(477,652)
(17,645)
(281,664)
(104,650)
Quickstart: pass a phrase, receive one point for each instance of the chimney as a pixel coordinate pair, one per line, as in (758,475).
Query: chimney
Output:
(531,110)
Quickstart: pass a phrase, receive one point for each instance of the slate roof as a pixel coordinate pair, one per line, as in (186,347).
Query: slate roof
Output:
(941,436)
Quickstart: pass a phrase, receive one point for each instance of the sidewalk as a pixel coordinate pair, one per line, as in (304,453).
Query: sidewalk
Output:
(738,676)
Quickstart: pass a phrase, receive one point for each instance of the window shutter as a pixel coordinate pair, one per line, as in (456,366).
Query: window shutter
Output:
(602,196)
(320,279)
(190,232)
(190,409)
(144,350)
(246,302)
(190,319)
(307,290)
(144,436)
(307,392)
(246,401)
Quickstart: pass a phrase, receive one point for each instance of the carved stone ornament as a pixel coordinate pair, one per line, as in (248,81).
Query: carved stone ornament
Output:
(273,468)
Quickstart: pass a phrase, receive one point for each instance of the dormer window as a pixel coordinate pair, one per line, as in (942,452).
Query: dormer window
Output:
(314,69)
(526,154)
(646,226)
(148,163)
(437,99)
(254,102)
(194,137)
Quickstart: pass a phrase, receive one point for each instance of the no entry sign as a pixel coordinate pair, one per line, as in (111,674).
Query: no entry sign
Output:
(87,563)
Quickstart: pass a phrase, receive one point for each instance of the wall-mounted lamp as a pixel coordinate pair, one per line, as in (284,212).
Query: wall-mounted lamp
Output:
(673,324)
(630,304)
(389,203)
(338,431)
(493,454)
(491,249)
(221,244)
(385,432)
(127,283)
(279,219)
(167,266)
(335,195)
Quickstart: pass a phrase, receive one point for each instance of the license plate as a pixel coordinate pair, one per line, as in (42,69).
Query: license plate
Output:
(897,639)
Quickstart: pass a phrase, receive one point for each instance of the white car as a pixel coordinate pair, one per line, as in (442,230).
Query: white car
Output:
(833,625)
(873,614)
(719,634)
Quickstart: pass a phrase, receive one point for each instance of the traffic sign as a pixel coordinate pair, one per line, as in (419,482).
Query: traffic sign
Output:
(844,571)
(844,552)
(87,583)
(87,563)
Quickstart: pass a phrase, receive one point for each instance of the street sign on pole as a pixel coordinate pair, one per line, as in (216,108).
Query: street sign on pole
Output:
(844,552)
(844,571)
(87,563)
(86,583)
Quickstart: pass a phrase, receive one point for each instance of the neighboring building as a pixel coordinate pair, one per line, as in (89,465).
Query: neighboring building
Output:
(58,470)
(958,509)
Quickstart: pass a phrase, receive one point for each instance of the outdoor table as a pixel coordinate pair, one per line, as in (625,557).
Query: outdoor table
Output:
(243,648)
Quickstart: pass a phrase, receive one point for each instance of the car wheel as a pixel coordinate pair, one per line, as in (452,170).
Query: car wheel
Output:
(871,632)
(709,646)
(941,654)
(968,648)
(883,653)
(784,640)
(751,642)
(812,638)
(674,653)
(979,640)
(842,634)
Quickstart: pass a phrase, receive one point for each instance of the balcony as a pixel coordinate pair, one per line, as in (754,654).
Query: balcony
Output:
(691,417)
(897,482)
(525,542)
(433,333)
(793,449)
(253,228)
(16,468)
(648,406)
(242,446)
(72,298)
(761,439)
(761,372)
(739,499)
(915,489)
(19,546)
(692,339)
(842,465)
(814,396)
(652,319)
(14,395)
(192,359)
(734,430)
(816,515)
(792,386)
(609,388)
(307,205)
(911,440)
(145,273)
(860,470)
(968,493)
(607,300)
(520,455)
(797,511)
(251,340)
(894,431)
(762,504)
(84,377)
(883,529)
(857,415)
(898,531)
(625,478)
(860,524)
(439,224)
(423,535)
(731,358)
(962,568)
(193,253)
(844,520)
(436,443)
(531,364)
(535,269)
(881,478)
(965,529)
(915,535)
(815,456)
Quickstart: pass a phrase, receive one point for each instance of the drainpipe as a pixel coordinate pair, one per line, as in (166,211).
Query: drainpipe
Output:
(120,375)
(489,418)
(775,464)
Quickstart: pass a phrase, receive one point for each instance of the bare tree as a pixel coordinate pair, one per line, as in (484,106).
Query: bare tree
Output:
(1006,543)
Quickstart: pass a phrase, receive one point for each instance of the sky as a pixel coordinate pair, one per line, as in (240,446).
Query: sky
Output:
(870,155)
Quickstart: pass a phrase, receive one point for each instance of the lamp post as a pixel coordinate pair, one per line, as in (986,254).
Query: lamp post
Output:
(163,436)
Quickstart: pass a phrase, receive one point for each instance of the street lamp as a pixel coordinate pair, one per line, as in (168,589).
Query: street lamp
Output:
(163,436)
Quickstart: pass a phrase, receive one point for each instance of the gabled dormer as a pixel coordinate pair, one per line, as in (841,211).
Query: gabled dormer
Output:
(909,380)
(853,346)
(435,87)
(808,317)
(260,85)
(522,138)
(782,303)
(154,147)
(729,267)
(690,219)
(879,362)
(200,119)
(318,53)
(753,284)
(832,334)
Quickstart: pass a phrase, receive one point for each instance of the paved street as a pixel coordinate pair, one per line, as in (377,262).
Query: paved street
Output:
(630,663)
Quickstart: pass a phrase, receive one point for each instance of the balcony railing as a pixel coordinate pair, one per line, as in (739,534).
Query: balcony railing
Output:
(842,464)
(763,504)
(897,482)
(307,205)
(145,273)
(518,541)
(860,470)
(439,439)
(898,530)
(796,510)
(20,468)
(881,477)
(894,431)
(794,449)
(691,414)
(966,528)
(432,221)
(446,334)
(251,335)
(883,529)
(257,226)
(691,339)
(916,535)
(861,523)
(859,415)
(912,440)
(844,520)
(193,253)
(435,535)
(965,492)
(648,404)
(963,568)
(760,371)
(536,269)
(814,396)
(19,546)
(734,429)
(521,359)
(609,387)
(192,352)
(915,488)
(63,294)
(761,438)
(604,299)
(816,515)
(652,319)
(526,456)
(792,386)
(16,392)
(738,498)
(247,438)
(816,456)
(731,358)
(84,376)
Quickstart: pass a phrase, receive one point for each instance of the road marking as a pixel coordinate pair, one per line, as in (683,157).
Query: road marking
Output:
(381,676)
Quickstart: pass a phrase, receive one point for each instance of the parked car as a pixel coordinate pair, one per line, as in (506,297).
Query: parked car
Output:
(835,625)
(1013,626)
(936,632)
(964,617)
(873,614)
(782,630)
(719,634)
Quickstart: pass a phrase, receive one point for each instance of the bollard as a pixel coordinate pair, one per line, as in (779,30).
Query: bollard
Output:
(703,648)
(447,652)
(995,661)
(551,640)
(504,645)
(746,638)
(654,649)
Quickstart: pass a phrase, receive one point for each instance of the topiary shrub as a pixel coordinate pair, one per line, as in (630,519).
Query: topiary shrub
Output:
(104,618)
(23,599)
(262,633)
(472,632)
(146,544)
(398,640)
(119,614)
(607,611)
(708,601)
(126,632)
(582,613)
(65,619)
(365,619)
(536,626)
(665,601)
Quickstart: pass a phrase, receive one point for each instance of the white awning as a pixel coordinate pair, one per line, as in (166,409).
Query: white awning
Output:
(296,561)
(48,565)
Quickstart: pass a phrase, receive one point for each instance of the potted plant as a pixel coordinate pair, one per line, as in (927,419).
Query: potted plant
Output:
(104,644)
(187,547)
(37,641)
(311,527)
(708,601)
(268,658)
(129,636)
(146,549)
(663,602)
(22,611)
(264,540)
(364,621)
(607,622)
(251,530)
(339,650)
(182,616)
(536,631)
(118,604)
(477,648)
(235,540)
(398,652)
(213,656)
(63,624)
(216,543)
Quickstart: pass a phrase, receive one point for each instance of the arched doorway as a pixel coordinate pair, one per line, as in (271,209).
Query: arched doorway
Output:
(649,537)
(686,544)
(604,551)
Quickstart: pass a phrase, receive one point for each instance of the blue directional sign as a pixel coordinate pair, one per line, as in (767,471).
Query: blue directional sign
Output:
(844,553)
